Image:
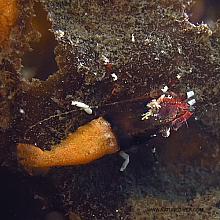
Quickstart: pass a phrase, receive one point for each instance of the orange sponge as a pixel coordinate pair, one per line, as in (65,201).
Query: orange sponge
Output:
(8,17)
(89,142)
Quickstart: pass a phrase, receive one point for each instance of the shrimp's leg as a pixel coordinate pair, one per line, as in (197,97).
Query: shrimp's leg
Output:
(125,156)
(177,123)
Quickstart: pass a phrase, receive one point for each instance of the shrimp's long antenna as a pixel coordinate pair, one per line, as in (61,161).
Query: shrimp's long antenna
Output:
(75,110)
(46,119)
(125,101)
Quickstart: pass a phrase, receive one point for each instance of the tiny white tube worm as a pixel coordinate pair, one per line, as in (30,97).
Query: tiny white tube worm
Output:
(83,106)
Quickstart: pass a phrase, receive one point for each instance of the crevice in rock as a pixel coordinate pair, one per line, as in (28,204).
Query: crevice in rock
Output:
(205,11)
(40,63)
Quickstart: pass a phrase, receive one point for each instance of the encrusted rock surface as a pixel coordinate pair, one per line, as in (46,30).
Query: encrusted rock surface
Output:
(147,45)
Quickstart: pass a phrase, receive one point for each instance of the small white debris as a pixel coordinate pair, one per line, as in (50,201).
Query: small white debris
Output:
(88,111)
(165,89)
(165,132)
(21,111)
(132,38)
(125,156)
(114,76)
(179,50)
(154,150)
(80,65)
(105,59)
(147,41)
(153,135)
(190,94)
(191,102)
(70,40)
(83,106)
(59,33)
(79,104)
(178,76)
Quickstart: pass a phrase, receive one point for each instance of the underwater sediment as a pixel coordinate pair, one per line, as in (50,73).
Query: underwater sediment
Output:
(115,57)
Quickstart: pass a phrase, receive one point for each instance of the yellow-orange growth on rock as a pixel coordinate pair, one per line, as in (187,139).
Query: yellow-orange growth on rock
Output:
(89,142)
(8,17)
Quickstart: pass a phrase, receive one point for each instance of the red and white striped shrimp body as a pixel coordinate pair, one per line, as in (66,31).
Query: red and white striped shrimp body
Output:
(174,110)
